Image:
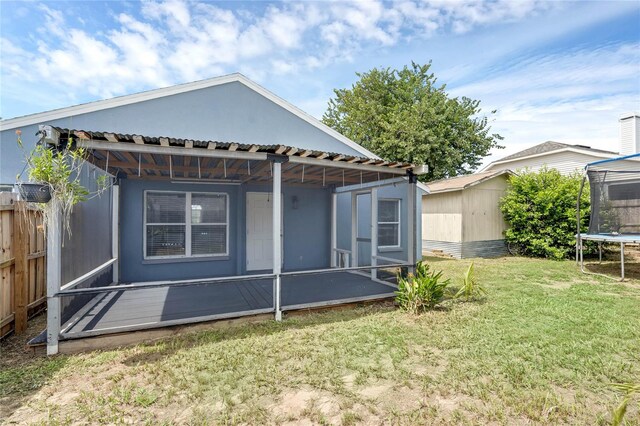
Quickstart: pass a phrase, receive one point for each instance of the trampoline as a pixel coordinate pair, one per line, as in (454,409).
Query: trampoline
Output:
(615,205)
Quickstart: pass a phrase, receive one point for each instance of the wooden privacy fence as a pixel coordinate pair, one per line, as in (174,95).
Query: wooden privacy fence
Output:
(23,286)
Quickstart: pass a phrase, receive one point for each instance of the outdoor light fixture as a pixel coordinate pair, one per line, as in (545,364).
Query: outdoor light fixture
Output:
(294,201)
(421,170)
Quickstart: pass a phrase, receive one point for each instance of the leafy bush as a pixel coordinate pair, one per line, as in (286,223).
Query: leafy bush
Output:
(470,288)
(540,209)
(422,291)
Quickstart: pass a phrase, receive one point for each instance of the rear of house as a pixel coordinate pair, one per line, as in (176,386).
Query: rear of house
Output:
(226,201)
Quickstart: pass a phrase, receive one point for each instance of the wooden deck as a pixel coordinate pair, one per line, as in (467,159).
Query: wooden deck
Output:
(131,310)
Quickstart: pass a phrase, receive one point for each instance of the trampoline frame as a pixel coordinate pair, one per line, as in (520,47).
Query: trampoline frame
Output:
(621,239)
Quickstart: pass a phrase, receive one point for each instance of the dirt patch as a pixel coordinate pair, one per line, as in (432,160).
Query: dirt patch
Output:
(299,404)
(14,350)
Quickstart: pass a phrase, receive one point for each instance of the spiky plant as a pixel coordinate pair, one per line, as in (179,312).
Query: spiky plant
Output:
(470,288)
(421,291)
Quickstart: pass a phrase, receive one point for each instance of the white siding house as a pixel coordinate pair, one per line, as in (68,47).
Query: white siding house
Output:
(565,158)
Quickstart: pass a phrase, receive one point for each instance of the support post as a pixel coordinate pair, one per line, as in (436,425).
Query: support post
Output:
(622,261)
(353,261)
(374,233)
(21,231)
(115,231)
(334,228)
(600,252)
(412,248)
(54,277)
(277,232)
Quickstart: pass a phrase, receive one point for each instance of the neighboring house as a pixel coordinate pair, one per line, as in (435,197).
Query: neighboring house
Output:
(205,174)
(567,158)
(564,157)
(461,215)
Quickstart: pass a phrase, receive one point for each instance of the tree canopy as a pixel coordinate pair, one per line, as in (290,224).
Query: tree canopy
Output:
(402,115)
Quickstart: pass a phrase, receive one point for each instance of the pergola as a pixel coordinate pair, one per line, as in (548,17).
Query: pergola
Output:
(213,162)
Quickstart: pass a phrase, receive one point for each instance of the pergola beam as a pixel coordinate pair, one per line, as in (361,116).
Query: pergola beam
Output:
(171,150)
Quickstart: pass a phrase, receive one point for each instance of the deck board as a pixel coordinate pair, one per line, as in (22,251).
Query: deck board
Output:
(157,305)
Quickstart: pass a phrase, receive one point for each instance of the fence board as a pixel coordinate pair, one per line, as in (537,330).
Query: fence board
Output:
(28,287)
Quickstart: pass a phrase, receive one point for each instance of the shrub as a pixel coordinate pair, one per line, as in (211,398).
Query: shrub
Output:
(540,209)
(470,288)
(422,291)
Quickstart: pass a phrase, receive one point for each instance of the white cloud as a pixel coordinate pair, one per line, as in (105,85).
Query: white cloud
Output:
(572,96)
(575,97)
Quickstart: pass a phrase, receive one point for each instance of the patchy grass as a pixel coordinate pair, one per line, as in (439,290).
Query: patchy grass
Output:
(543,347)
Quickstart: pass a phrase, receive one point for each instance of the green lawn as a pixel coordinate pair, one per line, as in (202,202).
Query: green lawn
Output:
(543,348)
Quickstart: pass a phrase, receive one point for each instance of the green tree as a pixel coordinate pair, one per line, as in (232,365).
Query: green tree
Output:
(540,209)
(403,115)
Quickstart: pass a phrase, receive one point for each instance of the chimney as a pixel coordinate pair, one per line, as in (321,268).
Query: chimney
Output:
(630,134)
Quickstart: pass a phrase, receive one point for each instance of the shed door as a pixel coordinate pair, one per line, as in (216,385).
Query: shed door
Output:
(259,231)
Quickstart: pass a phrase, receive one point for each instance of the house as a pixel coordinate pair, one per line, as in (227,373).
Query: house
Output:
(568,158)
(461,216)
(227,201)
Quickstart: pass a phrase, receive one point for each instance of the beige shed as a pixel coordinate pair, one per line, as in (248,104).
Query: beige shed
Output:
(461,216)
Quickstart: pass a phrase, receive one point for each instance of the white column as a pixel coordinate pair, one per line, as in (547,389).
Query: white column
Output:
(374,232)
(411,220)
(277,233)
(354,230)
(334,229)
(115,231)
(54,277)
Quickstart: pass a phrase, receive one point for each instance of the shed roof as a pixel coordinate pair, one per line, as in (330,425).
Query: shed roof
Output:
(459,183)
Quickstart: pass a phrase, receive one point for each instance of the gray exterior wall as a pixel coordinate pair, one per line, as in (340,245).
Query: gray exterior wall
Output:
(306,232)
(397,191)
(229,112)
(90,242)
(468,249)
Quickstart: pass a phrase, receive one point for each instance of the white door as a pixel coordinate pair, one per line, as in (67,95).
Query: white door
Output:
(259,231)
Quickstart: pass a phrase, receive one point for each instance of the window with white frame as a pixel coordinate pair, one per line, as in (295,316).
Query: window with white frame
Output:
(185,224)
(388,223)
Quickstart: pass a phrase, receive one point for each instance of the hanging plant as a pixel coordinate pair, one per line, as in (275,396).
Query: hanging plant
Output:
(54,186)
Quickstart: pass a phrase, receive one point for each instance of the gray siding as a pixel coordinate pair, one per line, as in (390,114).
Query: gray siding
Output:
(468,249)
(306,232)
(484,249)
(453,249)
(90,242)
(228,112)
(398,191)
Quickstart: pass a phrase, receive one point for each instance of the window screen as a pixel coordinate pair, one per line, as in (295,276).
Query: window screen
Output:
(624,191)
(185,224)
(388,223)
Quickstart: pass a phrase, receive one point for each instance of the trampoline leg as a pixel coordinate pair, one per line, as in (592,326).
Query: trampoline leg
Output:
(600,252)
(581,256)
(622,261)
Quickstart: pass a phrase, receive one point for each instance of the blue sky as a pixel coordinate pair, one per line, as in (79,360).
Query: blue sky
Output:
(560,71)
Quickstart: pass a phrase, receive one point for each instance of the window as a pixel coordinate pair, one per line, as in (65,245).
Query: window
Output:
(389,223)
(185,224)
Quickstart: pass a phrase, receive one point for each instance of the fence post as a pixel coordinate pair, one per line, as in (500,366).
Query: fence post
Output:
(21,229)
(54,276)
